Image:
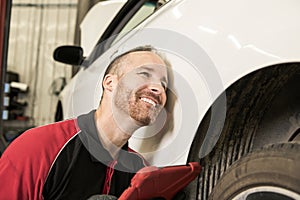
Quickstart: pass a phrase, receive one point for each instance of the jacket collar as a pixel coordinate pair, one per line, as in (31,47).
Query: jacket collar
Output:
(89,137)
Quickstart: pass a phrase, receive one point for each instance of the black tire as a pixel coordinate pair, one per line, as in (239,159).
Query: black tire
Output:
(246,129)
(276,166)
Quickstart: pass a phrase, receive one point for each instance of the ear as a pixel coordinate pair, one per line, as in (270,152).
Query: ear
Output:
(110,81)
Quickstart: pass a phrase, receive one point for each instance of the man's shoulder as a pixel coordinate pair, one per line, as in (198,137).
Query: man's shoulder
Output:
(31,155)
(66,126)
(43,141)
(55,132)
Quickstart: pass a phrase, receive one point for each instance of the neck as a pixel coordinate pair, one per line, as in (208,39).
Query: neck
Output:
(112,134)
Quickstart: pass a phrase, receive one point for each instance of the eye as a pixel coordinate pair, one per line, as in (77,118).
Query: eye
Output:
(145,74)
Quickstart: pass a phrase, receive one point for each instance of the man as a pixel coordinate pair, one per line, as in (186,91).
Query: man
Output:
(79,158)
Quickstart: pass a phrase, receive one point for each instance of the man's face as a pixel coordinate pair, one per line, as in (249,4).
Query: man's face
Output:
(141,90)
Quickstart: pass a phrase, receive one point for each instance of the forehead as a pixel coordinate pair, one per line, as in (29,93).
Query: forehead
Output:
(142,58)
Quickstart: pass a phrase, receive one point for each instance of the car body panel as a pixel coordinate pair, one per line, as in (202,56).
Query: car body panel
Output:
(234,38)
(96,21)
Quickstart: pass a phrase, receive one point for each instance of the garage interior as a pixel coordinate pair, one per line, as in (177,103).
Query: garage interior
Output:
(30,78)
(261,130)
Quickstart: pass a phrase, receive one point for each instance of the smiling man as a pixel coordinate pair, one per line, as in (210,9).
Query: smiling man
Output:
(89,155)
(134,93)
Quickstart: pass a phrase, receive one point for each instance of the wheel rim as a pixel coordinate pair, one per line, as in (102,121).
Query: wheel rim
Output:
(267,192)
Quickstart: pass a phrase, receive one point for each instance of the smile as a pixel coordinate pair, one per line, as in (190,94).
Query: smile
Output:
(148,101)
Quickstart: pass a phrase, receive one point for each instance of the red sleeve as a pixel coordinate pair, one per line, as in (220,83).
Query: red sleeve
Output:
(26,162)
(11,184)
(18,168)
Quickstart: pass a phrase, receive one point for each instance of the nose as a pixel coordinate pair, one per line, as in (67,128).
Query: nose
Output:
(159,91)
(156,89)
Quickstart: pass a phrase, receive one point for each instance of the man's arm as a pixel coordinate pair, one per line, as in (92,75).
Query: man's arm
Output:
(12,184)
(26,162)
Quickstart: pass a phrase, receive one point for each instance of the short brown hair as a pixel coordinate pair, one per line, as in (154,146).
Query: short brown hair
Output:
(118,60)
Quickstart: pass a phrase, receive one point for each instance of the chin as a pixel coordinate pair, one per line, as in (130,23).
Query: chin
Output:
(144,121)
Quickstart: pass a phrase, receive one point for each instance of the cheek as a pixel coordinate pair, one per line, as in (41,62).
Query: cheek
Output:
(133,84)
(124,91)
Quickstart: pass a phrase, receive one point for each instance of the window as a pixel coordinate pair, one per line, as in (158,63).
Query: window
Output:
(145,11)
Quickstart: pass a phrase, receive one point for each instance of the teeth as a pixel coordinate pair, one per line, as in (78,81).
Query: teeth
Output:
(148,101)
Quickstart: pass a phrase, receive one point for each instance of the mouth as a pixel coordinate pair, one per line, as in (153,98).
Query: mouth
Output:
(149,101)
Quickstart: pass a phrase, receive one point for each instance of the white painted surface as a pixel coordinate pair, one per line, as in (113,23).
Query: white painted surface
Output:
(237,38)
(96,21)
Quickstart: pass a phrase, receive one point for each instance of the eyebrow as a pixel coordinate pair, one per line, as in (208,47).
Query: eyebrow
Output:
(147,68)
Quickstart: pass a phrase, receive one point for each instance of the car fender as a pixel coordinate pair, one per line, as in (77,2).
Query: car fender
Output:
(236,37)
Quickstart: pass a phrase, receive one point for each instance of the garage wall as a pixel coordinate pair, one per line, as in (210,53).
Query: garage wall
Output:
(37,28)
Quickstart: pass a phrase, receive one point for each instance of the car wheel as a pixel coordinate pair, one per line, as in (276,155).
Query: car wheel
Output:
(271,173)
(246,128)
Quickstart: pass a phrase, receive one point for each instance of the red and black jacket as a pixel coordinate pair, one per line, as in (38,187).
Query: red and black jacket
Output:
(64,160)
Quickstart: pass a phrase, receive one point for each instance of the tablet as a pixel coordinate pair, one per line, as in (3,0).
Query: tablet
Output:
(166,182)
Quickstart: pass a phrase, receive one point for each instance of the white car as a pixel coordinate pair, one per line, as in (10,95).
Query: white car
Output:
(234,94)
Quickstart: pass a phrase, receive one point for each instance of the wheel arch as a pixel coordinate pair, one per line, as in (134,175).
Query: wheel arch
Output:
(247,101)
